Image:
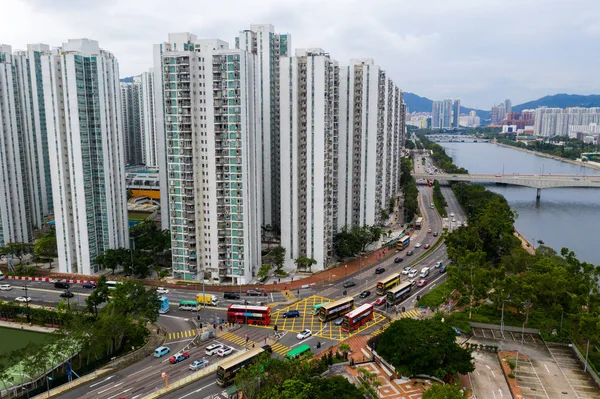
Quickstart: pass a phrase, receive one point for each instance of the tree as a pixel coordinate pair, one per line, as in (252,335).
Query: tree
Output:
(46,245)
(345,348)
(264,270)
(16,249)
(369,382)
(98,296)
(443,392)
(278,257)
(303,262)
(431,349)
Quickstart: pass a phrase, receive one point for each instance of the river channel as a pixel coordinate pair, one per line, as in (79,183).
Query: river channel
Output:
(564,217)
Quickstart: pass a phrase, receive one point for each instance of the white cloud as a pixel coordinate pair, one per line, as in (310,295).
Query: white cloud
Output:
(480,51)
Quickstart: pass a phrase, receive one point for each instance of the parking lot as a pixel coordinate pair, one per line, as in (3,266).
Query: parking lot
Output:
(488,379)
(549,370)
(308,321)
(489,333)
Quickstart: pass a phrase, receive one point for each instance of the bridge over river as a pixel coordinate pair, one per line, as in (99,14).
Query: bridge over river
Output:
(536,181)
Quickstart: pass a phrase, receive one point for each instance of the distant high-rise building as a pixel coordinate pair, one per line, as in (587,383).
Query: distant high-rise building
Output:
(86,146)
(498,114)
(148,124)
(437,115)
(507,106)
(372,124)
(268,46)
(442,114)
(131,108)
(557,121)
(309,135)
(456,113)
(213,157)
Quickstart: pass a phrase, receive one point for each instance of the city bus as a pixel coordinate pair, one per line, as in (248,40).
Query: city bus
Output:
(358,317)
(399,293)
(246,314)
(419,222)
(226,371)
(336,309)
(386,283)
(318,306)
(302,350)
(403,243)
(188,305)
(164,305)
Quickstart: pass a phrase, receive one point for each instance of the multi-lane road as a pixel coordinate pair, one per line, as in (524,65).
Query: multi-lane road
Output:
(144,377)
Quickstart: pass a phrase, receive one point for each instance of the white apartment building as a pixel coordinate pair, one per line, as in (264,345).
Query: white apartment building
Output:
(25,186)
(372,126)
(212,153)
(557,121)
(131,109)
(148,123)
(309,127)
(268,47)
(85,140)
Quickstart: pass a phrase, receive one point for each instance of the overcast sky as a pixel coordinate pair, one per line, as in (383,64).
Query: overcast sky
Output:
(481,51)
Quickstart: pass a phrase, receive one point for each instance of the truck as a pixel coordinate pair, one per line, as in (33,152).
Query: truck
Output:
(206,299)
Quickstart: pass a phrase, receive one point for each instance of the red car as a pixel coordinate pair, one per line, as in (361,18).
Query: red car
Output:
(422,283)
(179,357)
(380,301)
(427,246)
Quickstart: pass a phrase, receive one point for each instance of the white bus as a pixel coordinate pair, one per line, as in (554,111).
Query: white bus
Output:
(112,284)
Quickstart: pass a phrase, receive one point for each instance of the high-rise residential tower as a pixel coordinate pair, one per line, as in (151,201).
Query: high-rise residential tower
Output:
(456,113)
(213,157)
(268,47)
(148,123)
(131,108)
(372,123)
(309,128)
(25,184)
(85,140)
(437,115)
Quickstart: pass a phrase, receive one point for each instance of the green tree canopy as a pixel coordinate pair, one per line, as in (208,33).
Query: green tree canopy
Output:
(428,347)
(443,392)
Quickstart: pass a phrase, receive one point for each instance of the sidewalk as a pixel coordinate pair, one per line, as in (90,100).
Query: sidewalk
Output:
(25,326)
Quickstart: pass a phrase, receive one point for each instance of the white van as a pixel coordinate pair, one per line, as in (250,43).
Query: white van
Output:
(2,276)
(424,272)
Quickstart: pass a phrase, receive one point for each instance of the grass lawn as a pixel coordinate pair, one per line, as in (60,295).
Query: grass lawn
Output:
(138,216)
(14,339)
(436,296)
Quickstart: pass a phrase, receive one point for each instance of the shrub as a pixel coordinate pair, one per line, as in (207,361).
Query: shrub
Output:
(511,375)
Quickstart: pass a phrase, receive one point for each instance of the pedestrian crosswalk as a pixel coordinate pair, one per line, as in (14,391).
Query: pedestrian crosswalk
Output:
(183,334)
(289,295)
(411,314)
(241,341)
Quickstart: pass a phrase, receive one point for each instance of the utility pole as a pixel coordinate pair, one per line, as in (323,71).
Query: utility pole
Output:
(27,304)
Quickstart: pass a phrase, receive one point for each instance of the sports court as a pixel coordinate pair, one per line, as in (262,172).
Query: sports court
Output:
(308,321)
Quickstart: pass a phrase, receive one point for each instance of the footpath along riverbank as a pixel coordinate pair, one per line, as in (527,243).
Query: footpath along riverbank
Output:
(591,165)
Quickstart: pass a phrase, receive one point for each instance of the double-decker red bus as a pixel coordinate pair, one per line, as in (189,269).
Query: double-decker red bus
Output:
(358,317)
(245,314)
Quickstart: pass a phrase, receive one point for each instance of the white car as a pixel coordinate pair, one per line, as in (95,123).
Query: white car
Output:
(412,273)
(304,334)
(412,282)
(23,299)
(225,351)
(451,214)
(161,290)
(212,349)
(418,245)
(406,270)
(5,287)
(198,364)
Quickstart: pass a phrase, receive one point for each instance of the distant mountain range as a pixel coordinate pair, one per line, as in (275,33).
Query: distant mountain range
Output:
(561,101)
(127,80)
(417,103)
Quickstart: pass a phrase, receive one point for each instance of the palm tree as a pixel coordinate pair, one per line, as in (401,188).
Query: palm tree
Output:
(345,348)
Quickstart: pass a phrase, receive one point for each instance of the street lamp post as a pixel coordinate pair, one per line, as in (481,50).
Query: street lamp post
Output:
(48,379)
(27,304)
(346,267)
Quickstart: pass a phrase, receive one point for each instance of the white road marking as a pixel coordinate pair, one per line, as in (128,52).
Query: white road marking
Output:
(321,330)
(119,394)
(302,341)
(140,371)
(547,368)
(494,393)
(136,396)
(175,317)
(107,389)
(500,390)
(196,391)
(104,380)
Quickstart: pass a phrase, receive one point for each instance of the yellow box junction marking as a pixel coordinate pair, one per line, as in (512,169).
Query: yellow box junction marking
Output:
(308,321)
